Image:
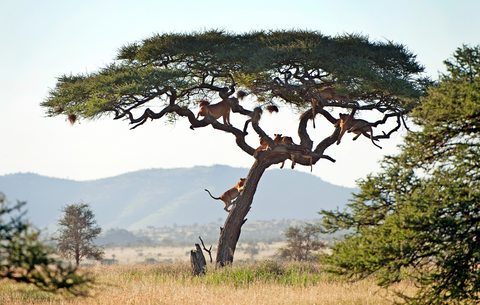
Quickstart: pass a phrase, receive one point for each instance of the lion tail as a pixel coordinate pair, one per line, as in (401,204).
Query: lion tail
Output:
(211,195)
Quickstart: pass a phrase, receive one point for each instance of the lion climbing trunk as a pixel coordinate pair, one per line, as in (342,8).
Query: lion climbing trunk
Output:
(230,233)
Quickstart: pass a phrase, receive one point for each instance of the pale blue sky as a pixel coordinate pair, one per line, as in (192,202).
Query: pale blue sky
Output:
(41,40)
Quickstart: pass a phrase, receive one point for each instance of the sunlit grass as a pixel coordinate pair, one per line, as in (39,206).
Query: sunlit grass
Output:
(265,282)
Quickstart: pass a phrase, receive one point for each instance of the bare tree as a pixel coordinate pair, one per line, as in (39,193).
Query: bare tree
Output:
(77,231)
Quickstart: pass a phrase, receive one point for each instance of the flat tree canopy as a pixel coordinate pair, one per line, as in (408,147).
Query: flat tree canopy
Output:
(166,76)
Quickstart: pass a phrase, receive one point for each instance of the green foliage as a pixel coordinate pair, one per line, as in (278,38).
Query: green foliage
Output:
(77,231)
(419,218)
(465,64)
(285,66)
(25,259)
(294,274)
(301,243)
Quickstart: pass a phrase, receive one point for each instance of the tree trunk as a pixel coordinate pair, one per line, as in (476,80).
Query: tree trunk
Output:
(197,261)
(230,233)
(77,255)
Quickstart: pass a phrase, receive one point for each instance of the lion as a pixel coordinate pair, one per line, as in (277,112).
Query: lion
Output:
(344,123)
(292,151)
(263,145)
(220,109)
(278,140)
(349,124)
(326,94)
(231,194)
(329,94)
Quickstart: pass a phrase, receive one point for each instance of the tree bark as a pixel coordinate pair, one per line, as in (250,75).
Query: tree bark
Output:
(230,233)
(197,261)
(77,254)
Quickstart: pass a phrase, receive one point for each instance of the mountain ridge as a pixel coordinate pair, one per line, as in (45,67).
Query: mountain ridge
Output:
(161,197)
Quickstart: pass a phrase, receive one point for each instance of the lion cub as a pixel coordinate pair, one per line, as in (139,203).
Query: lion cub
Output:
(231,194)
(279,140)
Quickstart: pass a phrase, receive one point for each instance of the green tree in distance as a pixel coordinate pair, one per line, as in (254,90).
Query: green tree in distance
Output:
(25,259)
(301,243)
(166,75)
(419,218)
(78,229)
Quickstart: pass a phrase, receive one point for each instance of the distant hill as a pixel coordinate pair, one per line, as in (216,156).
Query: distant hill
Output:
(164,197)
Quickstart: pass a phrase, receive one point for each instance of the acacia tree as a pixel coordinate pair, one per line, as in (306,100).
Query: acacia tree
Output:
(301,242)
(419,219)
(78,229)
(173,71)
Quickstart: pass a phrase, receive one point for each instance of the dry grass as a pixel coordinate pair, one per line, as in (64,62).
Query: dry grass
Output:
(254,283)
(163,253)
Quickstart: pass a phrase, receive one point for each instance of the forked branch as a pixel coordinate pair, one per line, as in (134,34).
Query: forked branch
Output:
(185,112)
(209,251)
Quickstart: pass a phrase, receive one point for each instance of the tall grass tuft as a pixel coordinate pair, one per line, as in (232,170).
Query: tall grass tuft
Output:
(294,274)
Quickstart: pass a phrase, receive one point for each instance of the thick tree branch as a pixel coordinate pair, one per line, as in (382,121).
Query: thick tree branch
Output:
(184,112)
(239,135)
(327,142)
(305,140)
(387,135)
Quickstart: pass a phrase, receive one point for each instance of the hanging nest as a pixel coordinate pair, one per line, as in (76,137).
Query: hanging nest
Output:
(241,95)
(72,118)
(272,108)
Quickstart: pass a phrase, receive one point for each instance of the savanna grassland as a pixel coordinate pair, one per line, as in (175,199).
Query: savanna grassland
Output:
(129,255)
(262,282)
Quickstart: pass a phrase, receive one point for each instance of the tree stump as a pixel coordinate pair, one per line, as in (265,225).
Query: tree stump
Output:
(197,261)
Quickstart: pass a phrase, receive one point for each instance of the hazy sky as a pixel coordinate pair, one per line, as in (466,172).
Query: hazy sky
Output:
(41,40)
